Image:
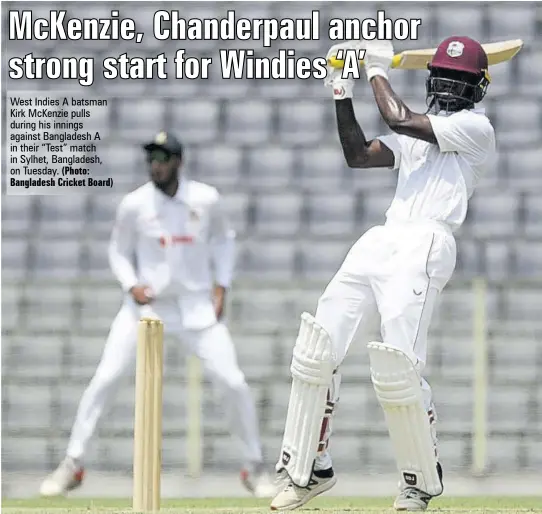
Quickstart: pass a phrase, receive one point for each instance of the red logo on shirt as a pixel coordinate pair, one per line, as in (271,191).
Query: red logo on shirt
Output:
(175,240)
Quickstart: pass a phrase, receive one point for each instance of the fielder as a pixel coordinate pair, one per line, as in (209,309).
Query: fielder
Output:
(170,246)
(396,270)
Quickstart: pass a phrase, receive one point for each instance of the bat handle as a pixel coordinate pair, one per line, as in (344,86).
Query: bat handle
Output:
(396,61)
(339,63)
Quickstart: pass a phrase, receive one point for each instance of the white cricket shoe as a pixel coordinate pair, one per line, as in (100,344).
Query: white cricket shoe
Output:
(65,478)
(258,483)
(292,496)
(412,499)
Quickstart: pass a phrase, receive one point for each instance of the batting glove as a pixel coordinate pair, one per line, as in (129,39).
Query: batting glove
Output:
(378,57)
(342,87)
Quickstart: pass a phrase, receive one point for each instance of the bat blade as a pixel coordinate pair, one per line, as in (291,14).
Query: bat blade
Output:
(502,51)
(499,52)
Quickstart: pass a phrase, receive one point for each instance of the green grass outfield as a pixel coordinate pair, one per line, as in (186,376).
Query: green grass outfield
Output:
(322,505)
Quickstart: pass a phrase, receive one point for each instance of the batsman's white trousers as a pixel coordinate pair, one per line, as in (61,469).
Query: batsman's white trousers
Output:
(397,271)
(213,345)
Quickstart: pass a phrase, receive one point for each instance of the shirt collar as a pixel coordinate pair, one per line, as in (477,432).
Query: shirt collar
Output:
(476,110)
(180,196)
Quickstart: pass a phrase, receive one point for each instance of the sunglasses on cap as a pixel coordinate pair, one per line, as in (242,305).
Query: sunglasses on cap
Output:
(159,156)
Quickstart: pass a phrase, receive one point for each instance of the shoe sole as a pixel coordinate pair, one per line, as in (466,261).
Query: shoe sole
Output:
(407,509)
(325,486)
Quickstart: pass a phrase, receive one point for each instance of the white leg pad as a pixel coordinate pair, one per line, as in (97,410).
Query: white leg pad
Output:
(312,369)
(398,388)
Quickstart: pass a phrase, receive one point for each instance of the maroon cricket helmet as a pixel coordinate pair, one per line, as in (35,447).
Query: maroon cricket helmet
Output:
(460,53)
(458,76)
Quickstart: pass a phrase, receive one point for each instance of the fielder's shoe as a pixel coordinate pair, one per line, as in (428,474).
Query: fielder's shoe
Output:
(412,499)
(65,478)
(292,496)
(258,482)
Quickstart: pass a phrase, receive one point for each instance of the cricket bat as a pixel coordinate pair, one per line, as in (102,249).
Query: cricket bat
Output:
(418,59)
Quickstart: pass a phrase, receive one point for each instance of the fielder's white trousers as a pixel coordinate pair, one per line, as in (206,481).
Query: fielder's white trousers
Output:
(396,271)
(213,345)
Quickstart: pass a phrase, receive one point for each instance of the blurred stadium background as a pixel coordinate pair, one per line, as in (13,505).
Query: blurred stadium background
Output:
(271,148)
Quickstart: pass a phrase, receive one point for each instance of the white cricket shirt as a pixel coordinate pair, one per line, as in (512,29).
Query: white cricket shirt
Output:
(435,182)
(184,243)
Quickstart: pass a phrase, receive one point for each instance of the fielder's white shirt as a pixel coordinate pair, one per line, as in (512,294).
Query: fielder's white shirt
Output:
(436,182)
(179,247)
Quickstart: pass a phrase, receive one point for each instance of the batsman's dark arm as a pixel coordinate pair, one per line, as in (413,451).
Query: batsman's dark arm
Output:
(397,115)
(352,138)
(358,152)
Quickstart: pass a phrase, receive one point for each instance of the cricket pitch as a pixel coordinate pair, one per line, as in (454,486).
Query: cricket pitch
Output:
(335,505)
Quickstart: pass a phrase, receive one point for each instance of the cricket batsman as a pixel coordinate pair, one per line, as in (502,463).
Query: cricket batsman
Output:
(396,270)
(172,251)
